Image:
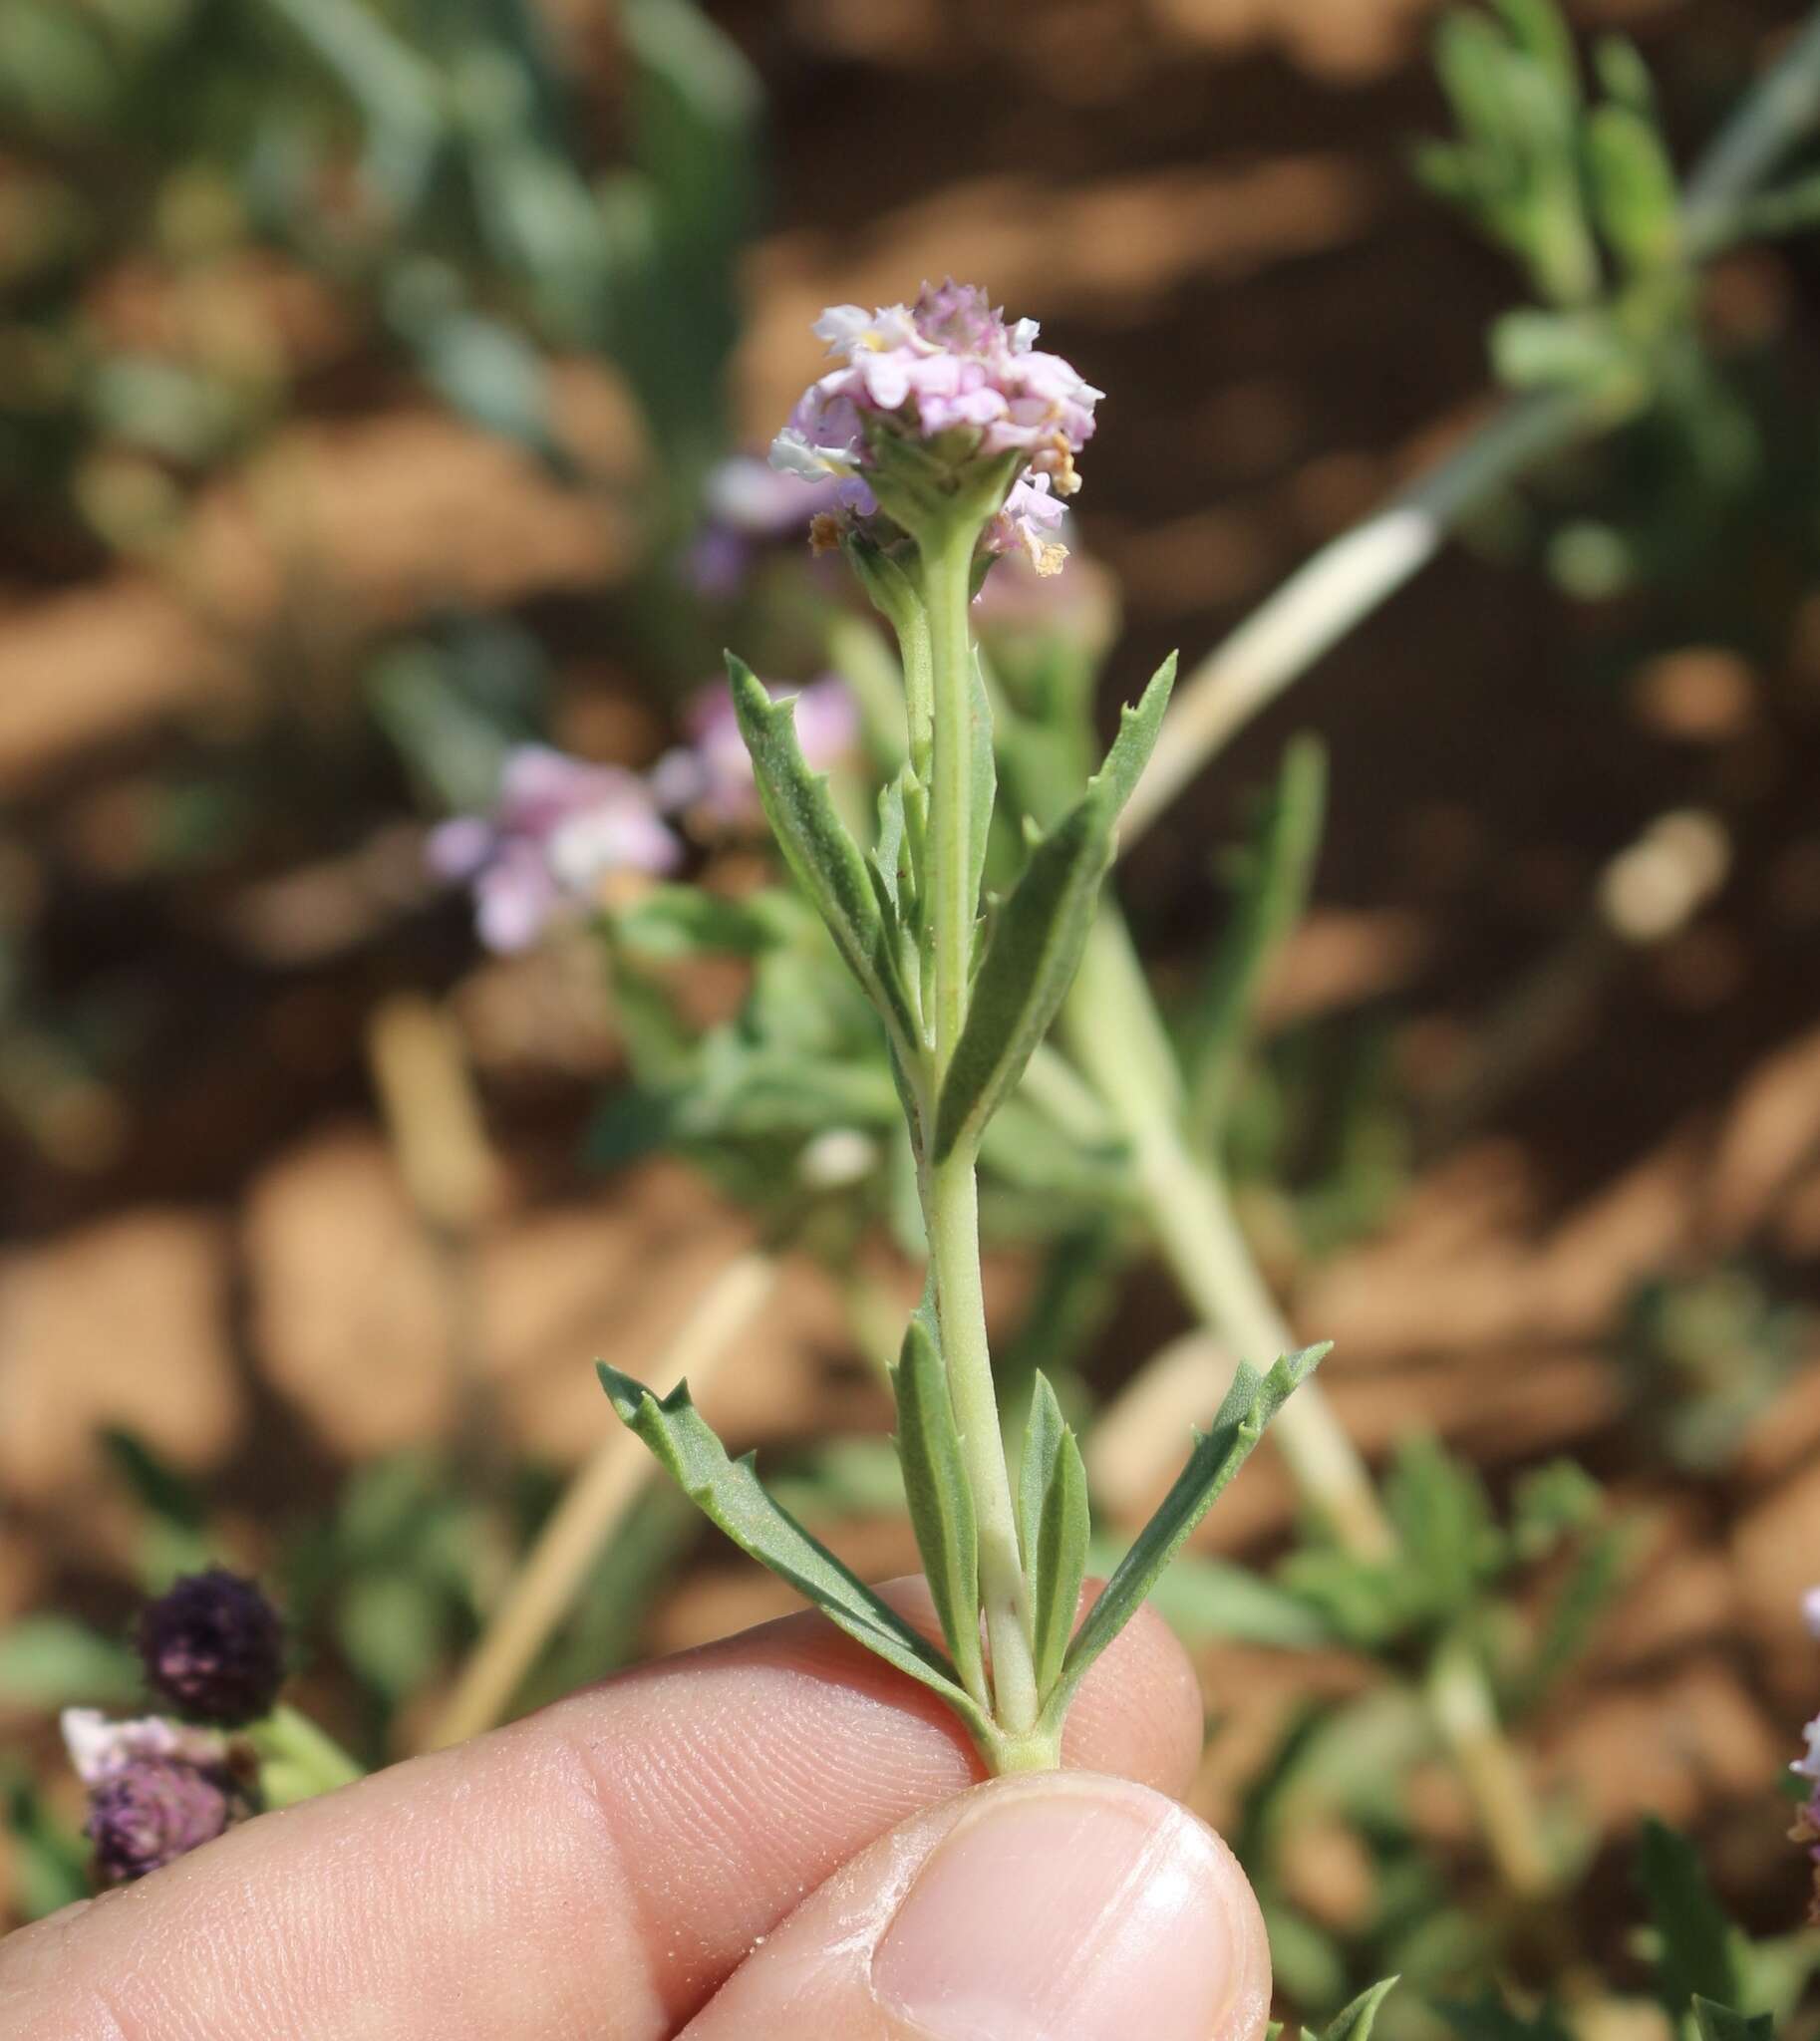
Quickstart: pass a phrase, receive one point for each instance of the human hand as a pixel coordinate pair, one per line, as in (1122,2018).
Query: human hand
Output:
(772,1835)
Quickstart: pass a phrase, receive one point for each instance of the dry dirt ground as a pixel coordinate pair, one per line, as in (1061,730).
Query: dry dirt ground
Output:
(221,1253)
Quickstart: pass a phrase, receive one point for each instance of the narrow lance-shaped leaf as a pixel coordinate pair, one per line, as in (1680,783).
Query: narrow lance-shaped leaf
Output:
(1036,946)
(941,1502)
(825,859)
(1721,2023)
(1237,1427)
(1280,864)
(1699,1946)
(1354,2022)
(1052,1524)
(728,1494)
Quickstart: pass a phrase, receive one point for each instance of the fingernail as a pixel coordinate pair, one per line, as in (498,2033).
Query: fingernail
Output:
(1069,1907)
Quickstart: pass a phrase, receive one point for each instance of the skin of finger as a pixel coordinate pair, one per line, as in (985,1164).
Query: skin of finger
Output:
(812,1980)
(594,1871)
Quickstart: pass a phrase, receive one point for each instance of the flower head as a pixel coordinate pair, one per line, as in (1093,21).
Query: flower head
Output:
(712,778)
(214,1649)
(156,1789)
(559,826)
(948,364)
(153,1812)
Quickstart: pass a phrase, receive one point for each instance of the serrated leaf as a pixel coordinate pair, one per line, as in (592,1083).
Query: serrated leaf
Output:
(1699,1946)
(941,1502)
(1354,2022)
(1138,723)
(819,851)
(1036,946)
(1238,1425)
(1721,2023)
(1052,1526)
(1271,901)
(728,1494)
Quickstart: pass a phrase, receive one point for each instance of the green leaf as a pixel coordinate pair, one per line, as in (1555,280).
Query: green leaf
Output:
(728,1494)
(1634,197)
(1532,350)
(1490,2019)
(1237,1427)
(1721,2023)
(1036,946)
(1444,1523)
(1271,898)
(1052,1526)
(1354,2022)
(1206,1600)
(687,920)
(941,1502)
(1622,75)
(53,1662)
(1699,1946)
(1540,31)
(825,859)
(1138,723)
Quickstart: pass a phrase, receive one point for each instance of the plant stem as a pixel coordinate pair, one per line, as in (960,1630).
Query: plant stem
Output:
(1114,1031)
(950,1191)
(297,1760)
(1463,1712)
(947,570)
(1340,585)
(594,1503)
(954,1249)
(1781,106)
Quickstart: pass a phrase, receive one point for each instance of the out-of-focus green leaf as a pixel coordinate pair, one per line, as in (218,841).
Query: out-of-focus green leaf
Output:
(1721,2023)
(1700,1951)
(52,1661)
(1270,897)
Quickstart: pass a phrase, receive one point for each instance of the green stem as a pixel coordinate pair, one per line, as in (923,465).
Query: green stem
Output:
(954,1249)
(951,1193)
(1115,1033)
(1342,584)
(946,571)
(297,1760)
(1114,1029)
(1352,576)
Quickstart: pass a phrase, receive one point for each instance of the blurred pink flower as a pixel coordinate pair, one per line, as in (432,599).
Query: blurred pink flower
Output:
(559,825)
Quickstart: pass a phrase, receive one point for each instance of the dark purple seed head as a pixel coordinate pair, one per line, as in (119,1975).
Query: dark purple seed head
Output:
(153,1811)
(214,1649)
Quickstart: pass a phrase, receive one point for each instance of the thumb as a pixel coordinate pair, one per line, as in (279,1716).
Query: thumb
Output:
(1056,1906)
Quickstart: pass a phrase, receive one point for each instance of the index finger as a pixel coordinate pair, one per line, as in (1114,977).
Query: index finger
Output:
(595,1870)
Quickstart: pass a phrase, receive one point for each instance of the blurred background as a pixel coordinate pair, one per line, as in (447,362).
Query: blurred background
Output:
(365,365)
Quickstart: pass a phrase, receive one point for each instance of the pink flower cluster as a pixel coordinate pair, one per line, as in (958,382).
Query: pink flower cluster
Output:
(946,363)
(561,826)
